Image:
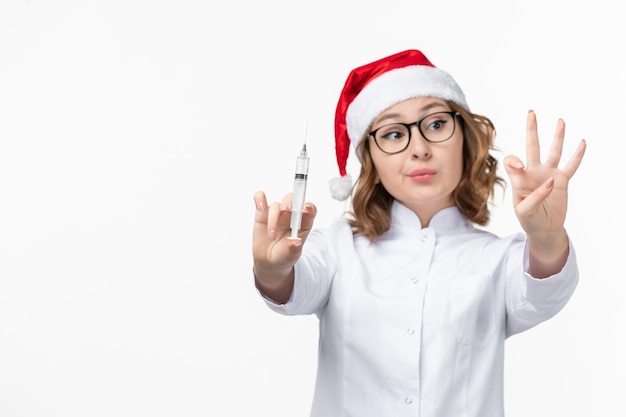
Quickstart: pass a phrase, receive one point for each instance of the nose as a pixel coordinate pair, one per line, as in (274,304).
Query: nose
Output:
(419,147)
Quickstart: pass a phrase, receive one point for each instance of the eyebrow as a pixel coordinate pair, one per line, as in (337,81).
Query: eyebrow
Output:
(422,109)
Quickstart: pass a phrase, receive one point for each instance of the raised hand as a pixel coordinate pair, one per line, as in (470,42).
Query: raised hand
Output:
(274,252)
(540,196)
(540,188)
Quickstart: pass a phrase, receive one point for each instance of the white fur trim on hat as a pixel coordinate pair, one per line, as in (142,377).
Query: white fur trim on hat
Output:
(340,187)
(395,86)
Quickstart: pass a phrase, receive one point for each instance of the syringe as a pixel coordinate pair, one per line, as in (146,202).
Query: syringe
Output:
(299,191)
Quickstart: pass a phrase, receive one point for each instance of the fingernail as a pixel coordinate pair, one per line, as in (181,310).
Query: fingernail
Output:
(549,183)
(272,234)
(260,206)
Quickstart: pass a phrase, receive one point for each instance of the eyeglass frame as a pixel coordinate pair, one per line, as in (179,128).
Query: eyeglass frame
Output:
(408,126)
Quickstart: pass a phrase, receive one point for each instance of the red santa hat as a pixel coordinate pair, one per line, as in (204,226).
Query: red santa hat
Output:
(373,88)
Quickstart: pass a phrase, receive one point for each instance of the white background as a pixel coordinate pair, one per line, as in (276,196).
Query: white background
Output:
(134,133)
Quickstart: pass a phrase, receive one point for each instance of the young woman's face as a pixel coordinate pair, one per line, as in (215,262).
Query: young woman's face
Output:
(424,175)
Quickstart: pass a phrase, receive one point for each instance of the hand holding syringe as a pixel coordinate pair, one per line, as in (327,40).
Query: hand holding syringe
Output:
(299,191)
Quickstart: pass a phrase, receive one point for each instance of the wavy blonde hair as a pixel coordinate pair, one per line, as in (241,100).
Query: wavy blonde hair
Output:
(371,202)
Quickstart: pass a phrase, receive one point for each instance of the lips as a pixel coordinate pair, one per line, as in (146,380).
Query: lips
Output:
(422,174)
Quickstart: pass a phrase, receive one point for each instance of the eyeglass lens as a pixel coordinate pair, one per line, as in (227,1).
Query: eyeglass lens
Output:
(436,127)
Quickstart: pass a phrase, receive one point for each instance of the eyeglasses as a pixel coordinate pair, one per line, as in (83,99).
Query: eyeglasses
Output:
(435,128)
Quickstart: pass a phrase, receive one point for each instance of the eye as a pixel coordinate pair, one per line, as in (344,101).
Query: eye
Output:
(436,122)
(392,133)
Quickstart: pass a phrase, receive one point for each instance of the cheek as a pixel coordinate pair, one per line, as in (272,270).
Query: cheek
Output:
(456,161)
(380,165)
(387,167)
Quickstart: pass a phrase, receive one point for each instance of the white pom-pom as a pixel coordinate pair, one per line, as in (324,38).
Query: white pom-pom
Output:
(340,187)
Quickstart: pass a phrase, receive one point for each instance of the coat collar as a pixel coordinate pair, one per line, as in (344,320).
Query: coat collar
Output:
(449,219)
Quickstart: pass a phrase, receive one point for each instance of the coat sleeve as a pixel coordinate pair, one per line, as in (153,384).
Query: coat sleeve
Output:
(529,300)
(314,273)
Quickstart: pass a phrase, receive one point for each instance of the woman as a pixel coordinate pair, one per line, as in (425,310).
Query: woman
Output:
(414,301)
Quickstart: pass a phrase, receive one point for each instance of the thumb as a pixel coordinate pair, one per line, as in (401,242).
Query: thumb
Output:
(513,166)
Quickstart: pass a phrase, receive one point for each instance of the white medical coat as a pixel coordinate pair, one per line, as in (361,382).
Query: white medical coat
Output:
(415,324)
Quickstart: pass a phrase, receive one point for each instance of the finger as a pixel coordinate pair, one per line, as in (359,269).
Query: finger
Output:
(275,212)
(260,233)
(309,211)
(533,200)
(533,156)
(556,149)
(308,216)
(514,168)
(572,165)
(513,165)
(286,202)
(260,202)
